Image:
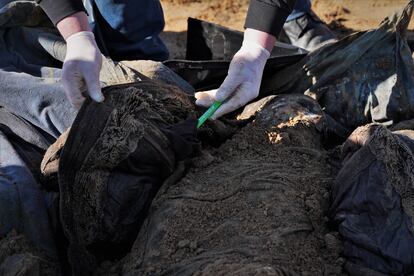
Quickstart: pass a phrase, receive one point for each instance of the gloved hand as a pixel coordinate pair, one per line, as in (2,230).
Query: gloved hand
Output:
(242,83)
(81,68)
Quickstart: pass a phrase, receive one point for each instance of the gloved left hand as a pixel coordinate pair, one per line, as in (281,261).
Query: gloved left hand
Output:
(81,68)
(242,83)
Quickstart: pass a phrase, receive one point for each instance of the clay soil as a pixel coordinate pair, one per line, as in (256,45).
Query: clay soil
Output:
(344,16)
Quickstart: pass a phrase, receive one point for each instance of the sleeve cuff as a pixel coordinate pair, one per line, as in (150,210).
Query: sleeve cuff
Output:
(266,18)
(56,10)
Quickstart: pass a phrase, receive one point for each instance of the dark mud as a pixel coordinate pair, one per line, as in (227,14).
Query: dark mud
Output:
(255,206)
(19,257)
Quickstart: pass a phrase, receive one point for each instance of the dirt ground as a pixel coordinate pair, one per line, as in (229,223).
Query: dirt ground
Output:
(344,16)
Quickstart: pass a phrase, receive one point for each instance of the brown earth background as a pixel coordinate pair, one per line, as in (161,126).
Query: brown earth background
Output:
(344,16)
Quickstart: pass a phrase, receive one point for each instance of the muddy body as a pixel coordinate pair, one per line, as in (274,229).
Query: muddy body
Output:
(257,207)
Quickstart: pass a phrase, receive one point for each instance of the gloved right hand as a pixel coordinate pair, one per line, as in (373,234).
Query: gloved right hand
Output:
(242,83)
(81,68)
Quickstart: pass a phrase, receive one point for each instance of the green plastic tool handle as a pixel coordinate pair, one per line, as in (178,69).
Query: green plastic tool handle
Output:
(208,113)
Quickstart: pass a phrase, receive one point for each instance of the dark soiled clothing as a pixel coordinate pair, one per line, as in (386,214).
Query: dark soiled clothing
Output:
(59,9)
(268,15)
(263,15)
(124,29)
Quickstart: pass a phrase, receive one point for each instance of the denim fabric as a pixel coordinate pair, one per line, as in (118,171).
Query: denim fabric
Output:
(301,7)
(24,204)
(4,2)
(44,104)
(130,28)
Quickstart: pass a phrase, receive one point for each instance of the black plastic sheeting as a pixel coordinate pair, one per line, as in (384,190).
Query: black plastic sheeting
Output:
(367,77)
(210,48)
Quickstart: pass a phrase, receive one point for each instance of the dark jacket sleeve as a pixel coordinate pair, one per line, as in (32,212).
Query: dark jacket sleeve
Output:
(59,9)
(268,15)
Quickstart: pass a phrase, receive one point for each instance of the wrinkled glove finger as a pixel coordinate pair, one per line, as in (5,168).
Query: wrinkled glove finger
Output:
(72,85)
(228,87)
(235,102)
(94,87)
(206,98)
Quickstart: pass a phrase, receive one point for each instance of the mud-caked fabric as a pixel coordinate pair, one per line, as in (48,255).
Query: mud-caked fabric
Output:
(372,201)
(254,207)
(116,157)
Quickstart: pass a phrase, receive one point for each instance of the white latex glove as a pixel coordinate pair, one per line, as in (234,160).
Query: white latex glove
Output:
(81,68)
(242,83)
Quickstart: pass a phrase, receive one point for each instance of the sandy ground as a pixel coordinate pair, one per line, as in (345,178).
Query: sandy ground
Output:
(344,16)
